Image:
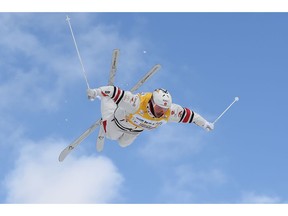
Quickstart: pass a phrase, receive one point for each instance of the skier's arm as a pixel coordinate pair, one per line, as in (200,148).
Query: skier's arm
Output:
(113,92)
(124,99)
(186,115)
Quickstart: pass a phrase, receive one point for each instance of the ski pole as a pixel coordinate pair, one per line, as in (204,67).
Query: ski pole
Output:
(83,69)
(236,99)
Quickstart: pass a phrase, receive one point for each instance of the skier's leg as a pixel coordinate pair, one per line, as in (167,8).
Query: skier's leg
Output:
(111,130)
(127,139)
(108,107)
(107,110)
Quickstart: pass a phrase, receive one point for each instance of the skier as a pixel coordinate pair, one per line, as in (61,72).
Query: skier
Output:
(126,115)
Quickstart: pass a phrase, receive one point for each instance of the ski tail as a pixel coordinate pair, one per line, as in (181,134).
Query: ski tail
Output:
(100,138)
(114,63)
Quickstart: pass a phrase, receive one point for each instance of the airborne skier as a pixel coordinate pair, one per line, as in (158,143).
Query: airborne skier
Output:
(125,115)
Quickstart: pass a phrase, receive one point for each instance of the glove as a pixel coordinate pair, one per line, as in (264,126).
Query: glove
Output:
(208,126)
(91,93)
(200,121)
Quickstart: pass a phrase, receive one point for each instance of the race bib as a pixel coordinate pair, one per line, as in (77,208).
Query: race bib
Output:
(146,123)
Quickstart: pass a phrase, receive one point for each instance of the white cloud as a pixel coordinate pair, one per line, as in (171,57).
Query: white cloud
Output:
(40,68)
(171,145)
(252,197)
(172,142)
(38,177)
(187,175)
(186,184)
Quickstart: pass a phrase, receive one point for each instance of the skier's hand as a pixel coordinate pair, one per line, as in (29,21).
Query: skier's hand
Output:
(91,93)
(209,126)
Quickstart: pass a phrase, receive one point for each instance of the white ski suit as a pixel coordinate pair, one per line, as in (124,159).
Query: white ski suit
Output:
(126,115)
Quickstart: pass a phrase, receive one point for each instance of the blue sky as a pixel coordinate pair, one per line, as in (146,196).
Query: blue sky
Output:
(207,59)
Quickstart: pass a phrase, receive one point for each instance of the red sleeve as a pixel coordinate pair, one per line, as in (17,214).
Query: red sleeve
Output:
(187,116)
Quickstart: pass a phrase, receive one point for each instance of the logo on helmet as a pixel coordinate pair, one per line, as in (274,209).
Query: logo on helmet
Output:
(162,98)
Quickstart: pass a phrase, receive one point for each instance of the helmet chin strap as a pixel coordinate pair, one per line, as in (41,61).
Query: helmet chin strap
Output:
(151,107)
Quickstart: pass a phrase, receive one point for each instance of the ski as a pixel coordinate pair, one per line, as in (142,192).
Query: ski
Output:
(84,135)
(147,76)
(100,138)
(101,134)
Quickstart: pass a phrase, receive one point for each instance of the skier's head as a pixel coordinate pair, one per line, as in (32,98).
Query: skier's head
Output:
(161,101)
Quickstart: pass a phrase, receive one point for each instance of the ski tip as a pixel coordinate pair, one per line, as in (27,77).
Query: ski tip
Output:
(61,157)
(158,66)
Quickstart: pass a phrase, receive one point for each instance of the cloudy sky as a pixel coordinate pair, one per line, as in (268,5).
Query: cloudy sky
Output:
(207,59)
